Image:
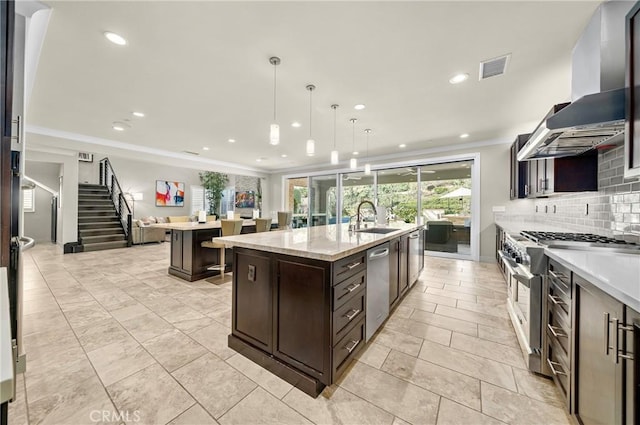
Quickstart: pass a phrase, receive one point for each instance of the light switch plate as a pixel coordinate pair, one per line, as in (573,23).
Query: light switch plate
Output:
(499,208)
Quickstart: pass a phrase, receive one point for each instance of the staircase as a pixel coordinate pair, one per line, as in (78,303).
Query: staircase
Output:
(99,226)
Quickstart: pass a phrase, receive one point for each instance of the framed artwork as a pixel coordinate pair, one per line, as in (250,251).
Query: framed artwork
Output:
(169,194)
(246,199)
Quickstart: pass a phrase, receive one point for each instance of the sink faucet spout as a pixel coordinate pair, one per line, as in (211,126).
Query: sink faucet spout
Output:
(359,217)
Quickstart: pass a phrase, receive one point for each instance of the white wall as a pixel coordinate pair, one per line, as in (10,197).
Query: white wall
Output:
(494,186)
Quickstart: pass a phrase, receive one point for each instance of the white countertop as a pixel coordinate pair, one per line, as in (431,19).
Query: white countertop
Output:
(6,353)
(194,225)
(328,243)
(614,273)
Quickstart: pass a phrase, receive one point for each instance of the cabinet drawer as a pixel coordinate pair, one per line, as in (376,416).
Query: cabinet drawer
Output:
(347,348)
(348,289)
(351,312)
(559,297)
(560,331)
(559,365)
(349,266)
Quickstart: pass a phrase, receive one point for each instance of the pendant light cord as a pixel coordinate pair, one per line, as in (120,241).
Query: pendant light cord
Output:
(310,109)
(335,114)
(275,67)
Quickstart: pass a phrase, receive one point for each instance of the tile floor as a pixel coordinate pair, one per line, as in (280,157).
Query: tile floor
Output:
(111,338)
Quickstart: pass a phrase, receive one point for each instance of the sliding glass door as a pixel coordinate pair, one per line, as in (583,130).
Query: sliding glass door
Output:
(323,199)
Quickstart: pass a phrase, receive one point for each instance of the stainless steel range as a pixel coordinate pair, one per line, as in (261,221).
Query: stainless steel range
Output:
(524,263)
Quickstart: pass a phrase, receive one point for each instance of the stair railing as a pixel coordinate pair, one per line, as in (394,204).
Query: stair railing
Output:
(108,178)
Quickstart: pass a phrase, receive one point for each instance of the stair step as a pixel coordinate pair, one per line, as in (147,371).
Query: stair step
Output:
(102,238)
(90,185)
(99,225)
(100,219)
(96,211)
(97,191)
(100,231)
(100,246)
(93,201)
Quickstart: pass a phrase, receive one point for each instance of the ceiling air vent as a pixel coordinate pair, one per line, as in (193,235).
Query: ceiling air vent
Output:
(191,153)
(493,67)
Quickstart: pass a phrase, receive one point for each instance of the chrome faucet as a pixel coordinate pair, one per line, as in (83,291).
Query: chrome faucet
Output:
(359,217)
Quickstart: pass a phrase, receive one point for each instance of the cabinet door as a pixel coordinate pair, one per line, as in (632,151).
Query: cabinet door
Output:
(513,165)
(394,255)
(403,265)
(632,347)
(599,378)
(253,299)
(303,316)
(176,248)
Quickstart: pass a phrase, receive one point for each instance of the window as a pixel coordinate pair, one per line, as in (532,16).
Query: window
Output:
(198,200)
(29,200)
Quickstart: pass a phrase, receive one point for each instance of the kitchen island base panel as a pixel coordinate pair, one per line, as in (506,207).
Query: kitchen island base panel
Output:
(303,382)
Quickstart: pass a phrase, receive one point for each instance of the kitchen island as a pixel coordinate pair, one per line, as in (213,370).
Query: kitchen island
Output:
(299,305)
(189,260)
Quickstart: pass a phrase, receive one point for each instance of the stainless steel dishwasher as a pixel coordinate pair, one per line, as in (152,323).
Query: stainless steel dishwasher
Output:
(377,288)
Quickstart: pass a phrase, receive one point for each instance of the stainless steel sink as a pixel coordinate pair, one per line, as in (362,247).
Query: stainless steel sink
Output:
(381,230)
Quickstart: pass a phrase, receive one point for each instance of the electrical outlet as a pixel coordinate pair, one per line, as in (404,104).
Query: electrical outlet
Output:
(252,273)
(554,209)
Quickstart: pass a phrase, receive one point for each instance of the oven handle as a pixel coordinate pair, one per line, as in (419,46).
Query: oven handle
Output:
(516,270)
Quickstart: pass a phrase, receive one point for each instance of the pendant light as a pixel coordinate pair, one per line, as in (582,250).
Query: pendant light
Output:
(367,166)
(334,152)
(311,144)
(274,132)
(353,162)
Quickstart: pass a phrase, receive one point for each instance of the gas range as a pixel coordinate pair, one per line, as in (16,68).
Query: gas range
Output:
(581,241)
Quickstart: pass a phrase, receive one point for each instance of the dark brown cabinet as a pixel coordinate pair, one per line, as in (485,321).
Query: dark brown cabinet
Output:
(518,171)
(567,174)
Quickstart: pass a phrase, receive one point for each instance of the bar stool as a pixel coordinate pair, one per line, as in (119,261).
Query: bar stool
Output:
(228,228)
(263,224)
(284,219)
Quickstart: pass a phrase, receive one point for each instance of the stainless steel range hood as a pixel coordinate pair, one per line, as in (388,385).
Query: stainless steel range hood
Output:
(573,128)
(597,114)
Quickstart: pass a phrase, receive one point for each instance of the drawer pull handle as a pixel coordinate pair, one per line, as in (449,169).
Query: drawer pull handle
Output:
(554,370)
(606,334)
(556,300)
(353,265)
(353,347)
(559,276)
(353,313)
(352,287)
(555,331)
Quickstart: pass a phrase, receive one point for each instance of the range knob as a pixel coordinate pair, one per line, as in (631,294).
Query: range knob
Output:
(518,257)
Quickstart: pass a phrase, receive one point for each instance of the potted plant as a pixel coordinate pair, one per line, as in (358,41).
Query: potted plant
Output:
(214,184)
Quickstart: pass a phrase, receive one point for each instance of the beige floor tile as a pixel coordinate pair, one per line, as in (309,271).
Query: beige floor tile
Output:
(506,337)
(452,413)
(18,407)
(214,337)
(153,394)
(40,304)
(341,407)
(452,294)
(85,313)
(146,326)
(471,316)
(194,415)
(398,421)
(469,364)
(499,311)
(111,297)
(47,344)
(415,303)
(130,312)
(260,407)
(45,321)
(420,330)
(437,379)
(179,313)
(515,408)
(474,291)
(173,349)
(101,333)
(216,385)
(403,312)
(435,299)
(399,341)
(192,325)
(77,404)
(407,401)
(491,350)
(374,354)
(57,373)
(118,360)
(444,322)
(537,387)
(267,380)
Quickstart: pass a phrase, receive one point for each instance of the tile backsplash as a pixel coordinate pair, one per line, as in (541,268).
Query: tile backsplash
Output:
(612,211)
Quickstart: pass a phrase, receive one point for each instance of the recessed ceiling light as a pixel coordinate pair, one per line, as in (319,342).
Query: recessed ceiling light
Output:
(231,140)
(356,153)
(458,78)
(284,155)
(402,146)
(120,126)
(115,38)
(205,148)
(117,127)
(138,114)
(464,135)
(296,124)
(259,160)
(359,107)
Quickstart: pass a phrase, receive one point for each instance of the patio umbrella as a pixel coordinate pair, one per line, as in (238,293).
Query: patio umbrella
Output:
(458,193)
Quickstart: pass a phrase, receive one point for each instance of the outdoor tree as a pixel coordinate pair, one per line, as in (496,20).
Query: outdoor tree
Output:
(214,184)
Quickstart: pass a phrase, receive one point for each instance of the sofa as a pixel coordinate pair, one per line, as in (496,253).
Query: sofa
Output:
(142,232)
(440,236)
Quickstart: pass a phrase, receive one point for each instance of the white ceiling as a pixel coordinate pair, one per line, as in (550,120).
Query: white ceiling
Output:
(200,72)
